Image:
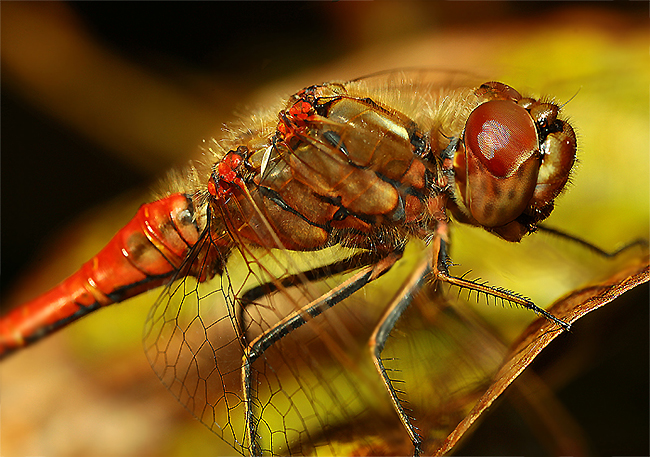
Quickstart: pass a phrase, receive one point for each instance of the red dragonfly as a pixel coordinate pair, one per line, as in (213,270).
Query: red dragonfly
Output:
(243,334)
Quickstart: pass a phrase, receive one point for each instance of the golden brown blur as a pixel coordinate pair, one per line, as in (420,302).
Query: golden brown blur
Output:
(98,100)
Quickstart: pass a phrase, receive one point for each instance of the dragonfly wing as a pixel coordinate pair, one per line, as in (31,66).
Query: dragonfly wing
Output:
(311,382)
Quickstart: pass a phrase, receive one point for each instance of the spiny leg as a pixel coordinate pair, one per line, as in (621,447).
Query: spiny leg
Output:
(378,340)
(295,320)
(405,297)
(442,274)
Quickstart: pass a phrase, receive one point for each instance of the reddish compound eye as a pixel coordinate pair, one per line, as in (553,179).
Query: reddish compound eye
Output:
(502,162)
(502,135)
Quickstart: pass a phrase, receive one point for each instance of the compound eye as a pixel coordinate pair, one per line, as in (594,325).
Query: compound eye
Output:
(502,135)
(502,162)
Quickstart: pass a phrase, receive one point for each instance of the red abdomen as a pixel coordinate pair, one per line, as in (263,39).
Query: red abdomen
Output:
(143,255)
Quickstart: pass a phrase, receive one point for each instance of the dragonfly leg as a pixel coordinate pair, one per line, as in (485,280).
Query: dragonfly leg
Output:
(296,319)
(638,242)
(442,274)
(356,261)
(378,340)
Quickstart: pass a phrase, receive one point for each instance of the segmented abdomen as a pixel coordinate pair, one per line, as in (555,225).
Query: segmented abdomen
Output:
(141,256)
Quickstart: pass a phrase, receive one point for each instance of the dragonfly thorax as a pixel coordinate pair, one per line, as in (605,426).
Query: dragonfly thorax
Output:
(345,169)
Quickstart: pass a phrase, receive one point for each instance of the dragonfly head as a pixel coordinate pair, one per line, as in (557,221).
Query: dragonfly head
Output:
(515,157)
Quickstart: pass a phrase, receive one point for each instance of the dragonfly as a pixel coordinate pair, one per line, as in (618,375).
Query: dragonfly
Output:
(298,210)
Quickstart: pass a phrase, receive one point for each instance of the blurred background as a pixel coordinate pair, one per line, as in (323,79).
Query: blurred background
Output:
(100,99)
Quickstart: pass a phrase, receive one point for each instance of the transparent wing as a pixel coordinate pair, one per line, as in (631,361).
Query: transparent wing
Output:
(304,384)
(315,379)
